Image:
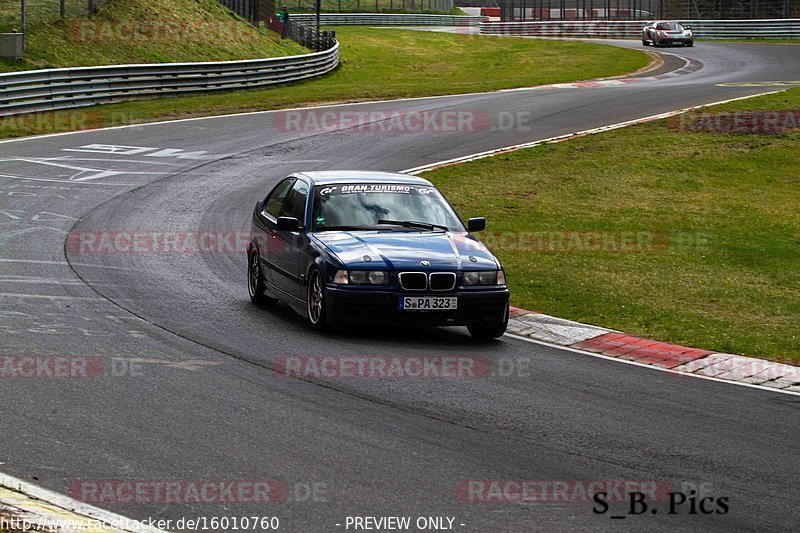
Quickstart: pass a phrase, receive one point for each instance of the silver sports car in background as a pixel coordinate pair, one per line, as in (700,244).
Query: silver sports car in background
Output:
(667,32)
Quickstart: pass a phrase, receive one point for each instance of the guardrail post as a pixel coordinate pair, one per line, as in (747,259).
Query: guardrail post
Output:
(24,21)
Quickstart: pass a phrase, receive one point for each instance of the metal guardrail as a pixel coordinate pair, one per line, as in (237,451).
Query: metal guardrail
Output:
(67,88)
(626,29)
(388,19)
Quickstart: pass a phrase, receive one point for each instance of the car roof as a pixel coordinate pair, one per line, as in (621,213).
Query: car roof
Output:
(360,176)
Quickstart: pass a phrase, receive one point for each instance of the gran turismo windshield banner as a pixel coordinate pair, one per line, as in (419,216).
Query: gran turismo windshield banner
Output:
(366,188)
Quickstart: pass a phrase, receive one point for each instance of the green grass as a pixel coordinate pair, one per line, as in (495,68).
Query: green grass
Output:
(383,64)
(209,33)
(716,216)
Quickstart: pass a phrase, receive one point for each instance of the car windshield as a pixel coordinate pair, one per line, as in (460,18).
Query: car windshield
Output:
(382,205)
(670,26)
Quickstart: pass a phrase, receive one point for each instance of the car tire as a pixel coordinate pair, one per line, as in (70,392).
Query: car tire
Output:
(255,281)
(489,331)
(644,41)
(316,307)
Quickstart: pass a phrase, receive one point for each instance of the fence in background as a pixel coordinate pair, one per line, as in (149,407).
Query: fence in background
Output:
(247,9)
(625,29)
(370,6)
(44,11)
(305,35)
(263,9)
(521,10)
(647,9)
(389,19)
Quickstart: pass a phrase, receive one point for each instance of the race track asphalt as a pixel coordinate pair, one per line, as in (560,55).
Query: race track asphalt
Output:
(195,397)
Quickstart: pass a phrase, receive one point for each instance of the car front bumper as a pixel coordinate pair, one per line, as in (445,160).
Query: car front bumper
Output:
(675,40)
(375,306)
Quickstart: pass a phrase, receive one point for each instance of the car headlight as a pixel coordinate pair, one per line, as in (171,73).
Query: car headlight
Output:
(484,277)
(361,277)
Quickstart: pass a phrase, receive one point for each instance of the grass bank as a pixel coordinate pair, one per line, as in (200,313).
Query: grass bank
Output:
(665,229)
(142,31)
(383,64)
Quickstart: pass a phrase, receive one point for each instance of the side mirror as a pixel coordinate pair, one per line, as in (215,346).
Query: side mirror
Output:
(288,224)
(476,224)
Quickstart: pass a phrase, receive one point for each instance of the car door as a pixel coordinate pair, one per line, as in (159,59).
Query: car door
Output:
(285,249)
(266,221)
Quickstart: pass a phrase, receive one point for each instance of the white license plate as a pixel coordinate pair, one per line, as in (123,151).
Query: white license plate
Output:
(428,303)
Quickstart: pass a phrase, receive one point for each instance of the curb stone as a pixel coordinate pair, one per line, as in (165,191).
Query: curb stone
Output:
(48,511)
(680,359)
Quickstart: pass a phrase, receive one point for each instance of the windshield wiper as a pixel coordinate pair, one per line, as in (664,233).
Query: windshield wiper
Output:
(413,224)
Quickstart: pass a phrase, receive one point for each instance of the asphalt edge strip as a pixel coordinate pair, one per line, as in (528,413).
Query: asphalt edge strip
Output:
(45,510)
(656,62)
(631,75)
(617,346)
(28,499)
(569,136)
(40,504)
(643,365)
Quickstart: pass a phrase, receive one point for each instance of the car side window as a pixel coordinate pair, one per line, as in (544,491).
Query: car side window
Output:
(274,202)
(295,205)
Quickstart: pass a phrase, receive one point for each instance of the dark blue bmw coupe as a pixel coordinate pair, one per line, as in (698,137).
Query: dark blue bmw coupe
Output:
(359,247)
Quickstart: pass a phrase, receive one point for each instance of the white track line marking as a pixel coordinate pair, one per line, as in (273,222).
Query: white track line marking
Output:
(568,136)
(652,367)
(61,263)
(38,281)
(67,182)
(50,297)
(250,113)
(266,111)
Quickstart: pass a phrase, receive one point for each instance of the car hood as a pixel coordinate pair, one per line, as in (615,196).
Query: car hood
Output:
(407,249)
